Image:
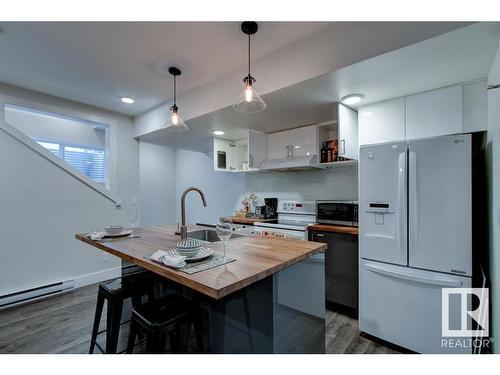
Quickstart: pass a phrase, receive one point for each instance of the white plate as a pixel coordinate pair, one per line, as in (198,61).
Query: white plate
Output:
(203,253)
(126,232)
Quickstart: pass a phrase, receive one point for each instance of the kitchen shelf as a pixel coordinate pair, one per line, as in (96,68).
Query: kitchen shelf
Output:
(339,163)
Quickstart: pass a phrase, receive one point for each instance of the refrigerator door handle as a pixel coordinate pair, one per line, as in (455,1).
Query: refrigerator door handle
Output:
(401,200)
(413,189)
(438,281)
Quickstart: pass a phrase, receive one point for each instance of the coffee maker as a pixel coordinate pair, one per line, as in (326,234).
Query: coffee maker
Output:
(268,210)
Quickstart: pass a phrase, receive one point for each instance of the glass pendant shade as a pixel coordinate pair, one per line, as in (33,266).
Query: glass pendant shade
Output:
(249,101)
(175,122)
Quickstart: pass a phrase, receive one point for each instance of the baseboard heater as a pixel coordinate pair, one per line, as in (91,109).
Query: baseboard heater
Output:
(33,294)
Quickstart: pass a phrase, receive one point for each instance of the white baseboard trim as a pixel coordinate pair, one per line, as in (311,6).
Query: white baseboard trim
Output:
(58,287)
(96,277)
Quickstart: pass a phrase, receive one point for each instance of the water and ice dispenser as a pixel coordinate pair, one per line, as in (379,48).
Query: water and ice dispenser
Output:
(379,211)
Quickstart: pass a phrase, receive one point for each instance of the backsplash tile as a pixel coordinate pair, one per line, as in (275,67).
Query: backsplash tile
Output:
(338,183)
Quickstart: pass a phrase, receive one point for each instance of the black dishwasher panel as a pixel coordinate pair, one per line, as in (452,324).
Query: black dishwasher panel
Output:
(341,263)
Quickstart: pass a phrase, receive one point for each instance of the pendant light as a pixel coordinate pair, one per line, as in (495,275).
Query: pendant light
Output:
(249,101)
(174,122)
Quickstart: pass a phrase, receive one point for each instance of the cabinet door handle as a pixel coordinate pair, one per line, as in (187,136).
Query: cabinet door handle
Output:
(250,161)
(342,142)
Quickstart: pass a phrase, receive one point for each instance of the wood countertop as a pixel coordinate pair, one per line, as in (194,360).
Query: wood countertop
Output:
(248,220)
(334,228)
(256,258)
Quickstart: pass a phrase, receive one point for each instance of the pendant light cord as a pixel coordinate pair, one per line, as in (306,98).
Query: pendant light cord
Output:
(249,55)
(175,88)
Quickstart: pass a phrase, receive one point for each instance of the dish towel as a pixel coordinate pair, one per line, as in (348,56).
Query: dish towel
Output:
(174,261)
(97,236)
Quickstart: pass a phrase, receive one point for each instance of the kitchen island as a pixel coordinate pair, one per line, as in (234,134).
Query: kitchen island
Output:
(248,308)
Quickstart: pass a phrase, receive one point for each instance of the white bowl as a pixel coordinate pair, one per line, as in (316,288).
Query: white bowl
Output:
(114,229)
(188,253)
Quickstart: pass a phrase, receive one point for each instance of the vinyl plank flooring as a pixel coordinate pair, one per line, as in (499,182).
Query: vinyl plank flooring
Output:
(343,337)
(63,323)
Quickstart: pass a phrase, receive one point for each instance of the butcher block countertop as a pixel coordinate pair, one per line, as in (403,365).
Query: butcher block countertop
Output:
(248,220)
(256,258)
(334,228)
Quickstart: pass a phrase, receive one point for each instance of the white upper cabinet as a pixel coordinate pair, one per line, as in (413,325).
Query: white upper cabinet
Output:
(475,106)
(257,148)
(277,145)
(240,155)
(348,133)
(450,110)
(304,140)
(434,113)
(382,122)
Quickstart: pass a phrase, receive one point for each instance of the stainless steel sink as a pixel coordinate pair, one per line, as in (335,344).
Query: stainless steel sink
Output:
(208,235)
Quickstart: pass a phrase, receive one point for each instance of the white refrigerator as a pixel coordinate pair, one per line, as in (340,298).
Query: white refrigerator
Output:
(415,220)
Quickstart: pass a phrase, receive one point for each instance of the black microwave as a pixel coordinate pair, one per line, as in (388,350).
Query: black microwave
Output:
(337,212)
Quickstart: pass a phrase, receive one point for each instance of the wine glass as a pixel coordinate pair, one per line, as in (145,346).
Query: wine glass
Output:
(224,231)
(132,215)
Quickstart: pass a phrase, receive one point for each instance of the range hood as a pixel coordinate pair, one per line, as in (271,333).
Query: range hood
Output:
(293,163)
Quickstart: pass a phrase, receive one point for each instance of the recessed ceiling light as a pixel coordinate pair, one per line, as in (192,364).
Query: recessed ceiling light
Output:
(352,99)
(218,132)
(127,100)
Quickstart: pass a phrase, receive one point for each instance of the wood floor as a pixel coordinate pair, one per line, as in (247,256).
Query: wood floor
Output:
(62,324)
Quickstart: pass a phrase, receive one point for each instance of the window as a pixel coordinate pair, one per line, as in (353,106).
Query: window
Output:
(89,161)
(82,144)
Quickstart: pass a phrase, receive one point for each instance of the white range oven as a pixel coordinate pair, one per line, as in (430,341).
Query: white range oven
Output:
(298,292)
(292,222)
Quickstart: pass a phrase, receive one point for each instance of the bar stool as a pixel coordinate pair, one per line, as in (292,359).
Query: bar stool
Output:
(115,292)
(172,316)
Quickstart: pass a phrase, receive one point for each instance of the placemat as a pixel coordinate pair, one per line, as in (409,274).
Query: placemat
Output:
(190,268)
(214,261)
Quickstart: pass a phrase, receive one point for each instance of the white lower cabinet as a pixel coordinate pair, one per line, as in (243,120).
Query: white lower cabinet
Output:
(382,122)
(302,286)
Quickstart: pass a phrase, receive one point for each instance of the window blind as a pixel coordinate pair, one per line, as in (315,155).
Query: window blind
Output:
(89,161)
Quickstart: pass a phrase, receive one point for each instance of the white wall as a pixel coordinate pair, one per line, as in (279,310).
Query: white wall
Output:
(166,173)
(43,206)
(339,183)
(223,190)
(494,159)
(51,128)
(157,184)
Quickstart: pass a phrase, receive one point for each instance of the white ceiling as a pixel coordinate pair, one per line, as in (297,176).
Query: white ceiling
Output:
(459,56)
(96,63)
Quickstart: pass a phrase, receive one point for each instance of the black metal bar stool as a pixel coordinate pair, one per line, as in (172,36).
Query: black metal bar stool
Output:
(115,292)
(172,316)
